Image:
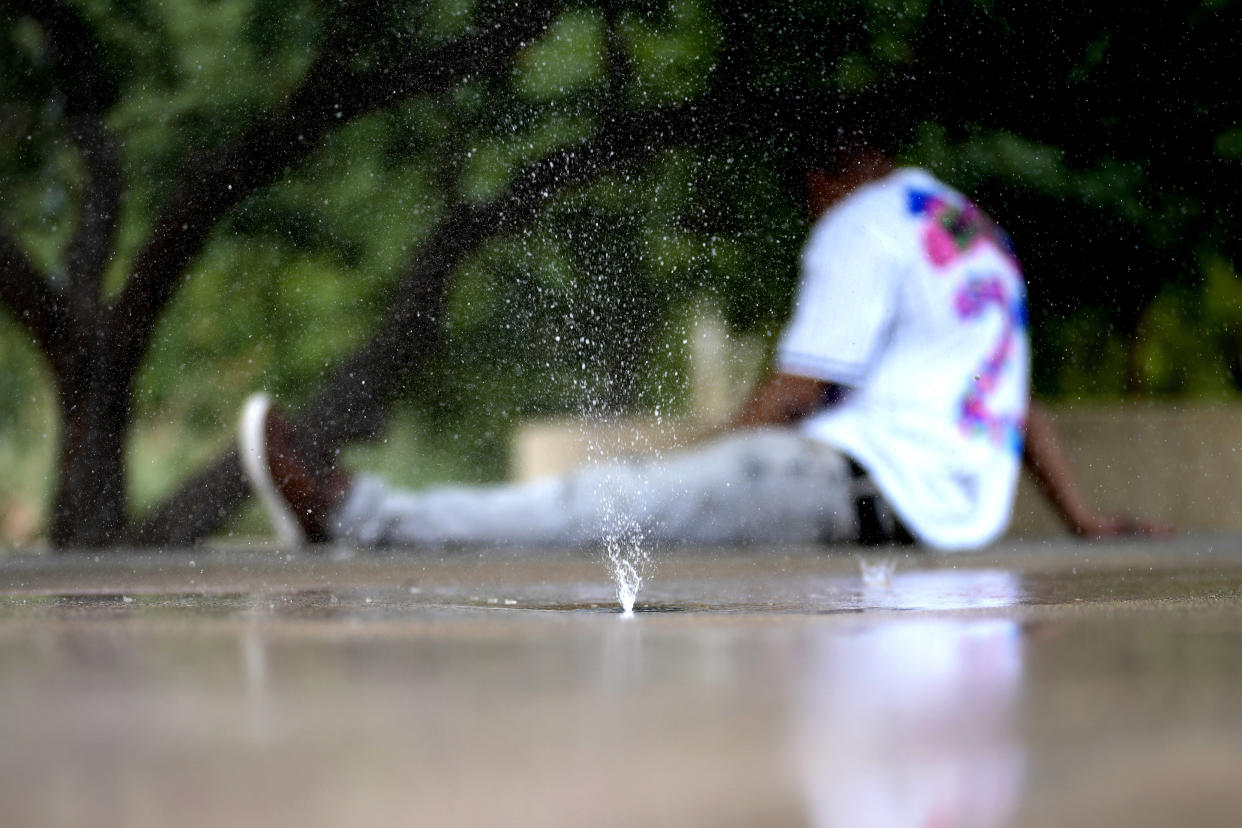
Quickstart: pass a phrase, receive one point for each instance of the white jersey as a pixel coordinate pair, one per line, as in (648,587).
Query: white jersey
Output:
(912,297)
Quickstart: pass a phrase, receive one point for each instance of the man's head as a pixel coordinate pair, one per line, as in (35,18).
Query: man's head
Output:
(851,143)
(840,172)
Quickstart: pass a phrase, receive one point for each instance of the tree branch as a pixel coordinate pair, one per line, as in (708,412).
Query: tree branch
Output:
(87,254)
(76,59)
(352,402)
(77,65)
(88,87)
(330,95)
(197,509)
(36,305)
(488,50)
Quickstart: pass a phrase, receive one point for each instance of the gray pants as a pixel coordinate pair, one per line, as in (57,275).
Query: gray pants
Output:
(761,486)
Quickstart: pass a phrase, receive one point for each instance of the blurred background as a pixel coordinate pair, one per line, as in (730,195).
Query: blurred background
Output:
(552,209)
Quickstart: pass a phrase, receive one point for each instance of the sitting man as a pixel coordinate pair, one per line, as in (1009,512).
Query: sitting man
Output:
(897,410)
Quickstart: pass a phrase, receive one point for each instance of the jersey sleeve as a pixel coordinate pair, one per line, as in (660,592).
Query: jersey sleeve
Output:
(845,303)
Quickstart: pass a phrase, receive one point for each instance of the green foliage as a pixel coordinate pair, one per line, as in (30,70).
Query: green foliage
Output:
(568,59)
(670,55)
(28,432)
(1191,341)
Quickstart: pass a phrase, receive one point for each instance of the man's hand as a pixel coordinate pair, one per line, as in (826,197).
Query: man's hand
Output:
(1048,464)
(1098,527)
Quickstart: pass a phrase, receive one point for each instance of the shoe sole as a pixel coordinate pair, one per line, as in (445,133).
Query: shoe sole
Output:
(253,442)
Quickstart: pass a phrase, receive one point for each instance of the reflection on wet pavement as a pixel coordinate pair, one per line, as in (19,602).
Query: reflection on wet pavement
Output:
(911,723)
(1029,685)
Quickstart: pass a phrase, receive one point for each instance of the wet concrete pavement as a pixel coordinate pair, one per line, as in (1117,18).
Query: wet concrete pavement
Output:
(1031,684)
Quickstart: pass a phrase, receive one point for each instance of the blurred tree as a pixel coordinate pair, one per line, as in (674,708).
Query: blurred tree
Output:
(513,200)
(95,340)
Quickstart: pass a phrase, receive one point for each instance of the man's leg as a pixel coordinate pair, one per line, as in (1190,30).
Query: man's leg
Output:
(767,486)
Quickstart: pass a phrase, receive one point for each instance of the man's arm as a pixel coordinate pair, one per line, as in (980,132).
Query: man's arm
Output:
(782,399)
(1044,457)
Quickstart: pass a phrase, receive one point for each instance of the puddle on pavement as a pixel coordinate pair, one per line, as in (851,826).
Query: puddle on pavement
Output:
(706,587)
(765,594)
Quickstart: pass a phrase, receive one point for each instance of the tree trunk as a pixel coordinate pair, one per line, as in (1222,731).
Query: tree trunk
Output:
(90,505)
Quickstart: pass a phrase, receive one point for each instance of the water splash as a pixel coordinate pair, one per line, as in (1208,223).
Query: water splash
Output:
(611,441)
(629,564)
(877,573)
(623,539)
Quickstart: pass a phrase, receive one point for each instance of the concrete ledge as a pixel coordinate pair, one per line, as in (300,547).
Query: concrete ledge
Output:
(542,448)
(1169,461)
